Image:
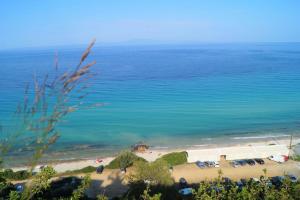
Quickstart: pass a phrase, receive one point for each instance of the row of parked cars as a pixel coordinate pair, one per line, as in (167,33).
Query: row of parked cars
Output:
(272,181)
(243,162)
(207,164)
(185,188)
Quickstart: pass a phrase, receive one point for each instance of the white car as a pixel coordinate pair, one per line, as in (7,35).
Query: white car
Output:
(277,158)
(217,164)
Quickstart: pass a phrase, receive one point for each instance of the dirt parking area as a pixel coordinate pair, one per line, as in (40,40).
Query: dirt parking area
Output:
(193,174)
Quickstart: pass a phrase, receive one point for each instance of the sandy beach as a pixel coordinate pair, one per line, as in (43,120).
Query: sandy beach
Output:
(153,153)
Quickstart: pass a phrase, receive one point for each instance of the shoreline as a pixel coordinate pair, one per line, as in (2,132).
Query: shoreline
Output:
(152,154)
(81,152)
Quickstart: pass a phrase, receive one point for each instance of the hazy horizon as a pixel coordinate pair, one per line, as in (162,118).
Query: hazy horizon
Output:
(56,23)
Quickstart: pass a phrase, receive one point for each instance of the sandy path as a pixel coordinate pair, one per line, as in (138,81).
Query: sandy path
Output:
(111,183)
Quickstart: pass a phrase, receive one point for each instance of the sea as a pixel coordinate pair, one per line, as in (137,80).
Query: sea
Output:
(167,96)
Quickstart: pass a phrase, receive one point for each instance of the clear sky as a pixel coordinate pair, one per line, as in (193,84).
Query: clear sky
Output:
(33,23)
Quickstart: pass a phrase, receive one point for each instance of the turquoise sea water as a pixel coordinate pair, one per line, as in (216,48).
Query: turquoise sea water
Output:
(170,95)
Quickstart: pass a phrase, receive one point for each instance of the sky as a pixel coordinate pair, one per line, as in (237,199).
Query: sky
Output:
(33,23)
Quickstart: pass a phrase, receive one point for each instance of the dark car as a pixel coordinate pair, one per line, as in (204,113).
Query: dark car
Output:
(277,180)
(207,163)
(250,162)
(242,162)
(235,164)
(227,183)
(100,169)
(200,164)
(240,185)
(259,161)
(183,183)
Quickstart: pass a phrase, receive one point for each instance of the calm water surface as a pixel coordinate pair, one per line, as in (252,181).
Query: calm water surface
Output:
(170,95)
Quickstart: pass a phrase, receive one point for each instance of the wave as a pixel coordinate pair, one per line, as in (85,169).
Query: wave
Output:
(198,145)
(159,147)
(259,137)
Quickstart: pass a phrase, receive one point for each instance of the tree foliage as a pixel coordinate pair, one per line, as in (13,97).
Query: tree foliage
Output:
(154,173)
(40,183)
(175,158)
(79,192)
(123,160)
(147,196)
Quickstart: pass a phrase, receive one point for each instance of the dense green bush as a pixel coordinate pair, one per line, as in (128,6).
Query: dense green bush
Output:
(153,173)
(5,188)
(220,189)
(175,158)
(124,160)
(18,175)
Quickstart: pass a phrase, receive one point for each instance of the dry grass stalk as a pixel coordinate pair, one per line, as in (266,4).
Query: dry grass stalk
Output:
(53,99)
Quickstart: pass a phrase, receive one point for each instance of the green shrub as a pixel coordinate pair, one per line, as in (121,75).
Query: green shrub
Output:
(175,158)
(18,175)
(124,160)
(153,173)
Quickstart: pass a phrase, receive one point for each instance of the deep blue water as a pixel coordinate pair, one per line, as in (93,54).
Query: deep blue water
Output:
(171,95)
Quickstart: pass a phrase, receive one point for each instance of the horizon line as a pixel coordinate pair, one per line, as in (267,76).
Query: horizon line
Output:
(147,43)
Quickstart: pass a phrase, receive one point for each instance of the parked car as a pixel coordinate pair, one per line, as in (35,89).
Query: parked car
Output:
(235,164)
(19,187)
(278,158)
(209,163)
(292,177)
(240,185)
(217,164)
(259,161)
(186,191)
(200,164)
(100,169)
(242,162)
(250,162)
(277,180)
(183,183)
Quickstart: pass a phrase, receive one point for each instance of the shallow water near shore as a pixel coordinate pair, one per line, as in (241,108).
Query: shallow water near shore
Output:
(169,95)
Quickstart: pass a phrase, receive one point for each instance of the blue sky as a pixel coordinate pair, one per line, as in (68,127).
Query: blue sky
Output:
(33,23)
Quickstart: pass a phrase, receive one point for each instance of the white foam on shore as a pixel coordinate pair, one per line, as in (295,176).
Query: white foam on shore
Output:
(159,147)
(259,137)
(198,145)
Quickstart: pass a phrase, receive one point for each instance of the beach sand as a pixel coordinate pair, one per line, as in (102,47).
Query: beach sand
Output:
(152,154)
